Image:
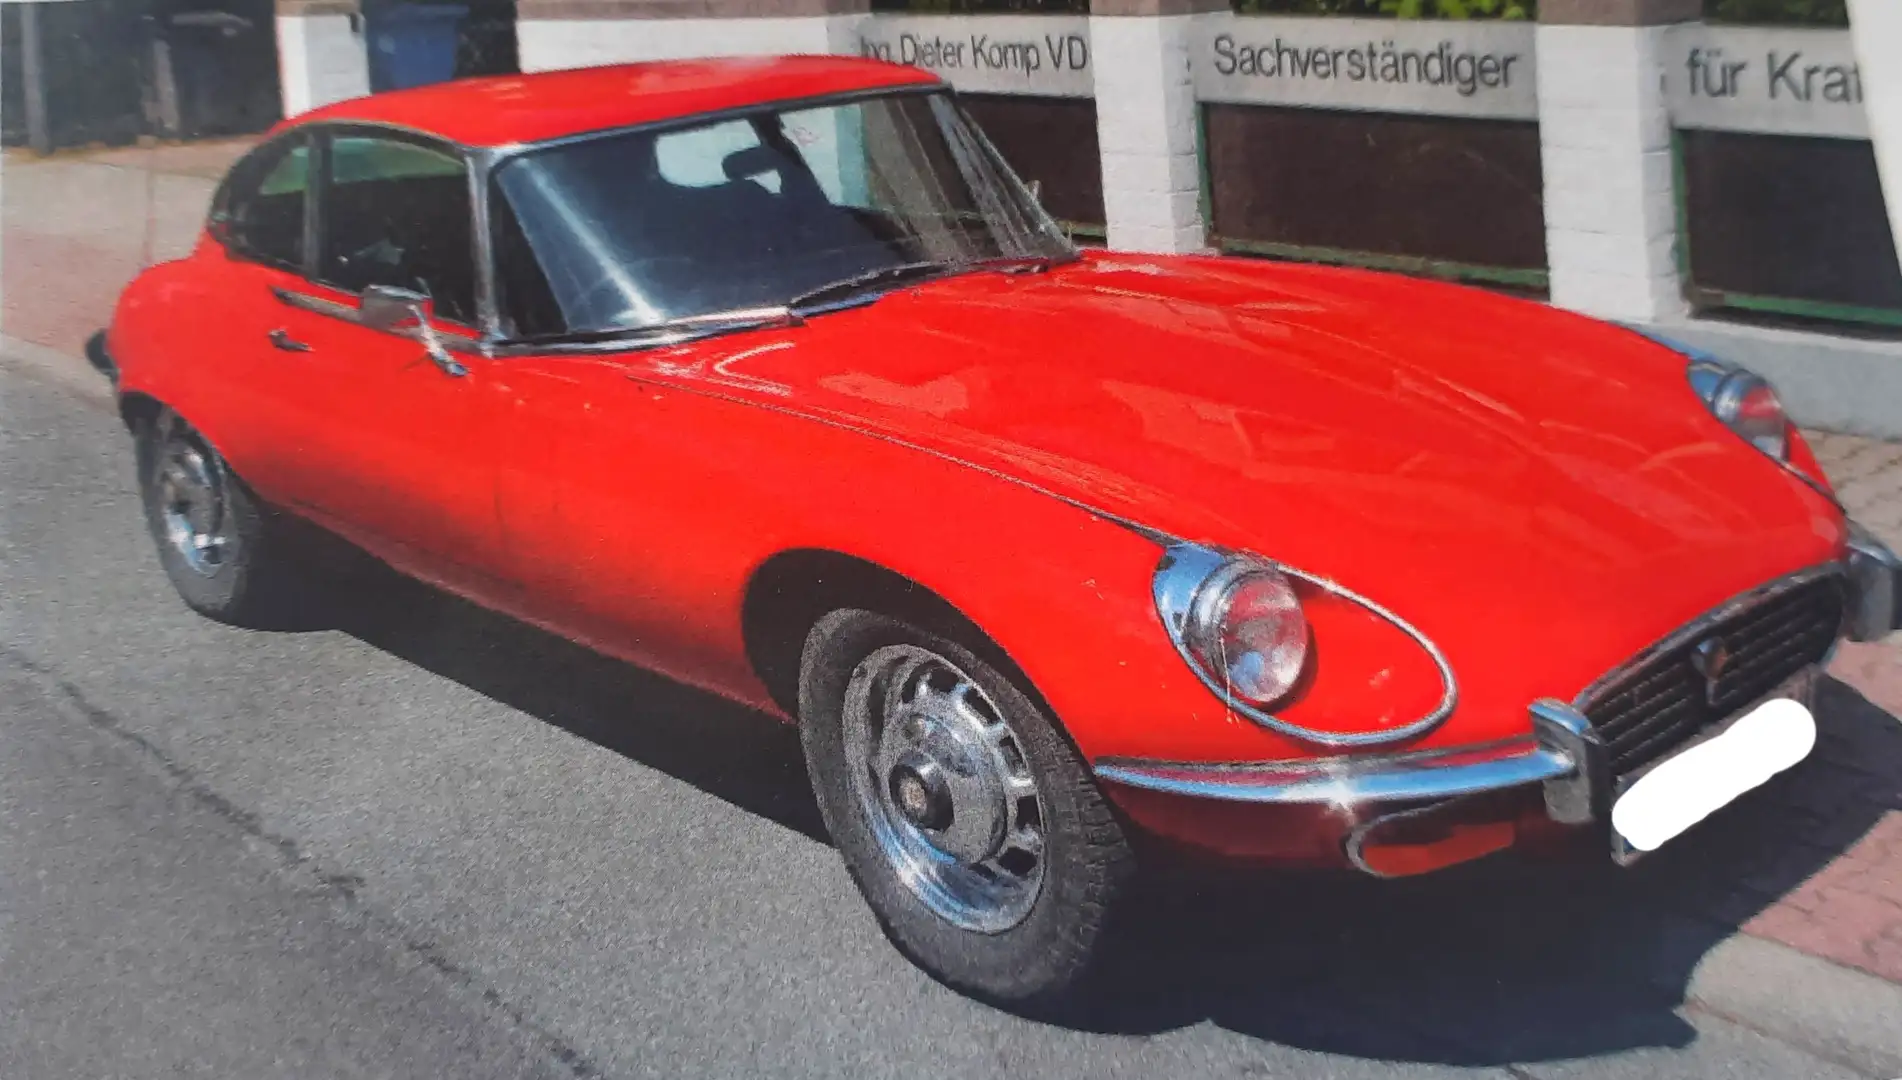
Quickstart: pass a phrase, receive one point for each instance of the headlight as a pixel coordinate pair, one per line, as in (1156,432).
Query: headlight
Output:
(1251,630)
(1237,620)
(1247,627)
(1749,407)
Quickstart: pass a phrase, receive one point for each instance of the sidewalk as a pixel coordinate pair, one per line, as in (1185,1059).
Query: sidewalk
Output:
(1814,862)
(74,228)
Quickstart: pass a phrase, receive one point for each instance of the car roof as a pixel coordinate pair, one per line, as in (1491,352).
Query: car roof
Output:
(510,109)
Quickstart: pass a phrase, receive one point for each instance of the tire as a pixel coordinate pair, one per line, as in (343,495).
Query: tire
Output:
(228,555)
(1034,956)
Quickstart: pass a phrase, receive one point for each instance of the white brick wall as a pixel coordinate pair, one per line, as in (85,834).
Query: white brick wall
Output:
(1605,135)
(320,60)
(546,44)
(1145,110)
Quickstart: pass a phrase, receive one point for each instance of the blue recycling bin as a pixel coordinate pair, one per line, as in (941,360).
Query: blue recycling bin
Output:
(412,44)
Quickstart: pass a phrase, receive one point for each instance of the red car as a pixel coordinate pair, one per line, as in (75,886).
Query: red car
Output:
(770,375)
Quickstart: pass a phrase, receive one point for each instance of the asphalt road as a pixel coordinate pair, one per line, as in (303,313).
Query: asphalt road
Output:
(433,843)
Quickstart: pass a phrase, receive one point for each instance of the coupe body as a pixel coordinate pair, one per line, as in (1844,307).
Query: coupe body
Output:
(770,376)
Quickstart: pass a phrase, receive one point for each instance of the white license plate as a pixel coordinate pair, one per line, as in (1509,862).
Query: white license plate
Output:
(1685,789)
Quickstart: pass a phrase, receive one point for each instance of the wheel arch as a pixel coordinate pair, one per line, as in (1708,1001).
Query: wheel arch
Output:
(137,407)
(792,590)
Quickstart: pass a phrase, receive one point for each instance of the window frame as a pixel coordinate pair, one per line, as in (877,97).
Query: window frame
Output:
(322,136)
(487,160)
(219,221)
(480,164)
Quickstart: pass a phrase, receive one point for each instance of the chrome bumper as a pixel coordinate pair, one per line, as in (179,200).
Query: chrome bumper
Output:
(1875,581)
(1426,776)
(1563,754)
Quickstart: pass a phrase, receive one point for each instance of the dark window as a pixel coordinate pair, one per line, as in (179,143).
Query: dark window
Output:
(397,213)
(1787,217)
(263,213)
(633,229)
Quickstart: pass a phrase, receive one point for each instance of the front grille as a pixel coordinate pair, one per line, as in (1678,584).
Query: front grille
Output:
(1665,700)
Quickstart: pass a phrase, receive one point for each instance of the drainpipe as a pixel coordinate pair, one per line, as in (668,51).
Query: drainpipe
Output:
(39,135)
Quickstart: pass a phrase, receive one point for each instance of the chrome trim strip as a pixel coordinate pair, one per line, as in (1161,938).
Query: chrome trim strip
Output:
(336,309)
(1702,625)
(317,305)
(1349,781)
(1183,571)
(1356,847)
(488,298)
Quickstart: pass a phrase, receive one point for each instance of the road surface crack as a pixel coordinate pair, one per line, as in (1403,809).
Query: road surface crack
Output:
(343,887)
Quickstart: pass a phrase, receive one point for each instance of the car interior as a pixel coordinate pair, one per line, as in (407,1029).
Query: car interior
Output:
(411,230)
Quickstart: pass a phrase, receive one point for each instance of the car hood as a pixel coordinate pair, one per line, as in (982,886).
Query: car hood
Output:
(1487,467)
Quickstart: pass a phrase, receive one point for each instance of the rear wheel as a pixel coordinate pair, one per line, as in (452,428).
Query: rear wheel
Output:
(969,823)
(228,556)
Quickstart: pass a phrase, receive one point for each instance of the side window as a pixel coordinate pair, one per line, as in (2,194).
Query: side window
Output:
(263,212)
(397,213)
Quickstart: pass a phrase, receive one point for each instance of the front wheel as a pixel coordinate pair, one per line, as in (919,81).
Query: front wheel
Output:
(227,555)
(968,822)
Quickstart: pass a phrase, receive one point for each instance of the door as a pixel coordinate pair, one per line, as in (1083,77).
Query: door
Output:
(396,450)
(262,219)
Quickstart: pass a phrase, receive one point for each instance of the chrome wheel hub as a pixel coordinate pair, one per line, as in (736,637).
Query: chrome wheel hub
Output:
(191,494)
(945,786)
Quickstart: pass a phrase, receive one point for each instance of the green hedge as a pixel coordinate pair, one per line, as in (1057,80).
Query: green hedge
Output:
(1399,9)
(984,7)
(1781,12)
(1776,12)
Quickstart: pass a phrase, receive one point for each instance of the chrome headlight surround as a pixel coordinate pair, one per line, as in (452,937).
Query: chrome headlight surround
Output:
(1739,398)
(1724,388)
(1744,402)
(1190,574)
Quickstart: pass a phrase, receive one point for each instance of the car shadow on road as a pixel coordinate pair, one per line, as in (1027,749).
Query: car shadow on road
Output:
(734,753)
(1511,960)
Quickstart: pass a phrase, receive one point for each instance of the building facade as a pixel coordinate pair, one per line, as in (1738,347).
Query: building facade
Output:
(1622,158)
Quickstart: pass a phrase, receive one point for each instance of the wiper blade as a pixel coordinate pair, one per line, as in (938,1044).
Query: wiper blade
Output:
(710,322)
(1013,264)
(884,275)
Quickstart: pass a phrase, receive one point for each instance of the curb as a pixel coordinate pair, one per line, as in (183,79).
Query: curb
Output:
(45,364)
(1836,1013)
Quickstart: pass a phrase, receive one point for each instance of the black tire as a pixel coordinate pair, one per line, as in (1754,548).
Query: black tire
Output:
(257,580)
(1041,965)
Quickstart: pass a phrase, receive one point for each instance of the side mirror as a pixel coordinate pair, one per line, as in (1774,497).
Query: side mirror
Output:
(389,308)
(386,307)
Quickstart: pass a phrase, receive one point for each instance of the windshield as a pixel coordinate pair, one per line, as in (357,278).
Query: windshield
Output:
(642,227)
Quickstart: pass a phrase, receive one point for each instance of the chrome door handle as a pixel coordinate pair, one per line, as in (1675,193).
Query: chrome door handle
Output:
(285,341)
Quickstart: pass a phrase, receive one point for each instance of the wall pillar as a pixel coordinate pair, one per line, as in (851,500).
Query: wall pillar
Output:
(1876,26)
(1605,142)
(1146,122)
(554,34)
(320,53)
